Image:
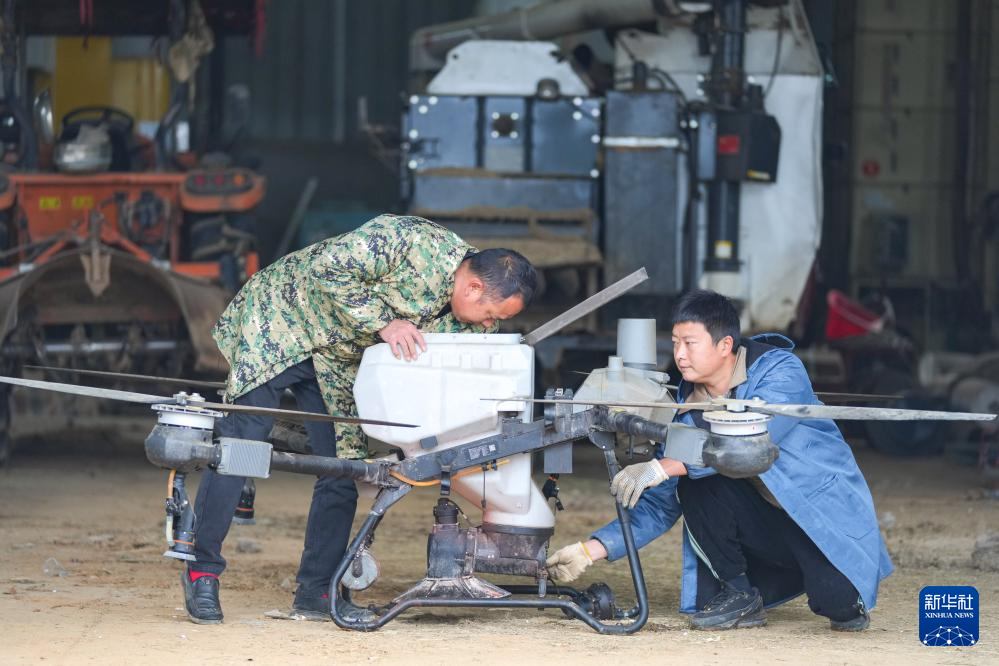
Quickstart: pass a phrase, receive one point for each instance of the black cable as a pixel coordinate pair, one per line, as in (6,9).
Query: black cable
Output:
(780,42)
(665,78)
(667,81)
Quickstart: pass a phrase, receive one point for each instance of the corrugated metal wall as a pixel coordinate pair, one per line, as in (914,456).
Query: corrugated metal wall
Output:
(321,56)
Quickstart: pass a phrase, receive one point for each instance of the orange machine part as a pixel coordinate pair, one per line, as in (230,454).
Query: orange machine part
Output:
(61,204)
(53,204)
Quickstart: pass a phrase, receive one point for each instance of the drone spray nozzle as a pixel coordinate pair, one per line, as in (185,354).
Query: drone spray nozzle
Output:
(244,510)
(179,520)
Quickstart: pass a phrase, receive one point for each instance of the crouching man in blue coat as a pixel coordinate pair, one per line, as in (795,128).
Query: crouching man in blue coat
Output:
(805,525)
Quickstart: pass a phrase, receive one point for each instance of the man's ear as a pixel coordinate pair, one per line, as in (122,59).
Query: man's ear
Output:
(474,287)
(726,344)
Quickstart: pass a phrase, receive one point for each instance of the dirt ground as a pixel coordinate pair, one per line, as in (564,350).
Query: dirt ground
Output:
(98,512)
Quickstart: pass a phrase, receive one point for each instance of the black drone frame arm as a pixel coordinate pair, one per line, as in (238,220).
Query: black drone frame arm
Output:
(359,470)
(630,424)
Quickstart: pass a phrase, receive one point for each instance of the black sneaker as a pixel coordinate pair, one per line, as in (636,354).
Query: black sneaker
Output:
(307,607)
(318,609)
(730,609)
(859,623)
(201,597)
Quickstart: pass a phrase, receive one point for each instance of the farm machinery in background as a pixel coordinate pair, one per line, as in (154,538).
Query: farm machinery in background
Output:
(117,250)
(681,136)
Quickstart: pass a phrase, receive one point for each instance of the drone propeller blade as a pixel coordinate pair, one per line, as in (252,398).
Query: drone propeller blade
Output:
(171,381)
(294,414)
(797,411)
(824,395)
(89,391)
(836,395)
(855,397)
(596,403)
(866,413)
(149,399)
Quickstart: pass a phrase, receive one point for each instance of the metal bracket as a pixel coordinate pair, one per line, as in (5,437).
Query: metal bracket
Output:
(244,457)
(685,443)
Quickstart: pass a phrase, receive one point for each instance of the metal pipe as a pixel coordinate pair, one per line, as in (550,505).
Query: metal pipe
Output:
(723,226)
(725,91)
(545,21)
(634,564)
(16,350)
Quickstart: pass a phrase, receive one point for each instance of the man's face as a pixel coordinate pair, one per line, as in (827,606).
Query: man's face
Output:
(474,307)
(470,303)
(697,356)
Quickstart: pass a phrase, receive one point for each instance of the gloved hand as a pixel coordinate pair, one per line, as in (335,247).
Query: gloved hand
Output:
(629,483)
(568,563)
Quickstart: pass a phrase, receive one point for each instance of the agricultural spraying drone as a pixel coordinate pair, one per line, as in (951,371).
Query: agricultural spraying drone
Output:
(460,417)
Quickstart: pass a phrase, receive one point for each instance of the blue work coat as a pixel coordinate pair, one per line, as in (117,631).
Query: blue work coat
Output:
(816,480)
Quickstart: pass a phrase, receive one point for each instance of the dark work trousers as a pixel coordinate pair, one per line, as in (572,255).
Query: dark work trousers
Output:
(739,532)
(333,500)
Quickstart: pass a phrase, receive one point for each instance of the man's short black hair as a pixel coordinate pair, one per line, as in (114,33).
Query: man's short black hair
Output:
(505,273)
(716,312)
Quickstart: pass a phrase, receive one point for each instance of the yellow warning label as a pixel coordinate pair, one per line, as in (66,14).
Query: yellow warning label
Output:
(85,202)
(723,249)
(49,203)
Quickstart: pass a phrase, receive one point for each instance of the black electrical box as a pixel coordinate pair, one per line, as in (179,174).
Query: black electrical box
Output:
(747,146)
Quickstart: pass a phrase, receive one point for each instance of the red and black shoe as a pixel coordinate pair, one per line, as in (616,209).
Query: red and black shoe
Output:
(201,597)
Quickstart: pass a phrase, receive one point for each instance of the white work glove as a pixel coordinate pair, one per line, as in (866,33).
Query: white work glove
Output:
(568,563)
(629,483)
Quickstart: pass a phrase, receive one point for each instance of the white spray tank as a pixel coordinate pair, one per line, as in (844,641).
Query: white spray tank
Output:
(442,390)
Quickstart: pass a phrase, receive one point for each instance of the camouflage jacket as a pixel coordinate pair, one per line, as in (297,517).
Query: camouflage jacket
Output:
(329,301)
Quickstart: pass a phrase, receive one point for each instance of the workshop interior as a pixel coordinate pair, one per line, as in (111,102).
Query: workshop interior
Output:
(829,166)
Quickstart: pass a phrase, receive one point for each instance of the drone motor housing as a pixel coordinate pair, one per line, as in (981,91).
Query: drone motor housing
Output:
(182,438)
(739,445)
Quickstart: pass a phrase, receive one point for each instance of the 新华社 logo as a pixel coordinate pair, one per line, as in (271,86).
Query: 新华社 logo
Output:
(948,616)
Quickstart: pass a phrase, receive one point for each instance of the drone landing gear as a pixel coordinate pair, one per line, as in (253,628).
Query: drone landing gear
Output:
(455,555)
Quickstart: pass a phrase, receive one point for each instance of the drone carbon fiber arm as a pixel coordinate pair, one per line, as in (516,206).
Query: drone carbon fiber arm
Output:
(630,424)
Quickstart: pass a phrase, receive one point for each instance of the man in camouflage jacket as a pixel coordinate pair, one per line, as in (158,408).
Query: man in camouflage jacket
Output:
(302,324)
